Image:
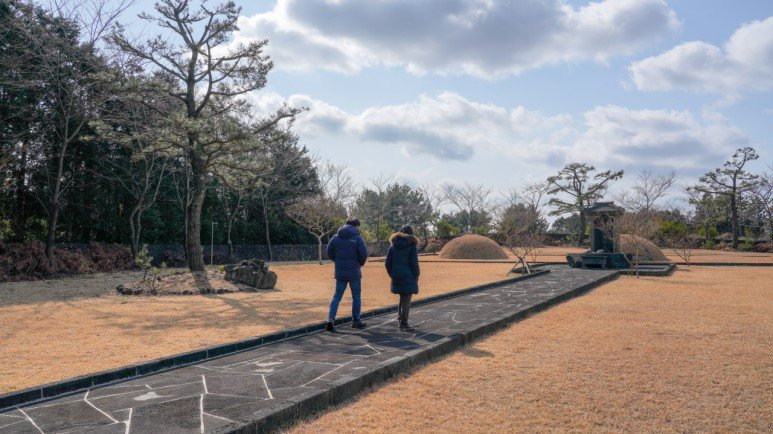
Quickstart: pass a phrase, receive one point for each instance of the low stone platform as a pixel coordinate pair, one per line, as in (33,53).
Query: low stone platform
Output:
(264,388)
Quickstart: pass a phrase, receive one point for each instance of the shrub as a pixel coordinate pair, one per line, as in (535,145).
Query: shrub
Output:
(27,261)
(434,246)
(766,247)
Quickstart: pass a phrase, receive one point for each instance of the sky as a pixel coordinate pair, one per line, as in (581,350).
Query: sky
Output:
(502,92)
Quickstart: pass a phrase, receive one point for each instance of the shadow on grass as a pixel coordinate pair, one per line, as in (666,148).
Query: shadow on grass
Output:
(477,353)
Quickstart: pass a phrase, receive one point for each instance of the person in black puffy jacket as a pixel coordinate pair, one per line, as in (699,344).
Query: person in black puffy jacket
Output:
(402,265)
(348,251)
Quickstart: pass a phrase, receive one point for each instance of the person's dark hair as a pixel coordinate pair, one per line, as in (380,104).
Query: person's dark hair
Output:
(407,229)
(353,221)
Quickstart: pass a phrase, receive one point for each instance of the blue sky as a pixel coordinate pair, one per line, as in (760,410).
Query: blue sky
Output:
(497,91)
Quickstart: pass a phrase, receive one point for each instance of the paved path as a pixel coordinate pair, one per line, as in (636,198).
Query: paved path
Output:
(296,376)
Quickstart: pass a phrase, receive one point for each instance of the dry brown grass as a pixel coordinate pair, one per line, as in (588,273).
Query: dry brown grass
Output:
(56,329)
(692,352)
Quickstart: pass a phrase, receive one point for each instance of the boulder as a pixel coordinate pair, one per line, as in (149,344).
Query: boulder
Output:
(251,272)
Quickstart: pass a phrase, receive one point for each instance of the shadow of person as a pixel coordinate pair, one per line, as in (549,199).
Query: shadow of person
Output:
(476,352)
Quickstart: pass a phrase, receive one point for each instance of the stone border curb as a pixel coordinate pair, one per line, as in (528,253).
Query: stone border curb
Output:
(49,391)
(343,389)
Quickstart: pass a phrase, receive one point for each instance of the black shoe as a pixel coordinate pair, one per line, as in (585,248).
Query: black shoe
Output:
(405,327)
(329,326)
(358,325)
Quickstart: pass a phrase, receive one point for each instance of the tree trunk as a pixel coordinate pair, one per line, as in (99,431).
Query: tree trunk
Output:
(583,224)
(53,215)
(734,219)
(193,224)
(770,226)
(133,231)
(319,249)
(230,244)
(55,205)
(268,230)
(20,174)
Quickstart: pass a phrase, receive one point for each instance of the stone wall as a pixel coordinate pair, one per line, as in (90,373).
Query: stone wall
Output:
(174,254)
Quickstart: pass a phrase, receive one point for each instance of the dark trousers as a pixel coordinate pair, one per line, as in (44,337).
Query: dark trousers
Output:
(404,307)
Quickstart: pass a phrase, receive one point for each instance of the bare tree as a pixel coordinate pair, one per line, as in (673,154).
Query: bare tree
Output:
(435,199)
(640,226)
(208,79)
(762,195)
(232,198)
(647,190)
(469,198)
(72,80)
(141,178)
(323,212)
(374,203)
(731,180)
(679,240)
(582,189)
(289,174)
(519,231)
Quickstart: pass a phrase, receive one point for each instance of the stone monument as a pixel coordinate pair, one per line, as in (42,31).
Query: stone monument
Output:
(603,234)
(604,239)
(251,272)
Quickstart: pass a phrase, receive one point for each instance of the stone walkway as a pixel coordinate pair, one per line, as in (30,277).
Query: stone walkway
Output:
(265,387)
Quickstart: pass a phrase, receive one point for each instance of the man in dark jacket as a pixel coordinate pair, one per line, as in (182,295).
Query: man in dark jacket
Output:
(402,264)
(347,249)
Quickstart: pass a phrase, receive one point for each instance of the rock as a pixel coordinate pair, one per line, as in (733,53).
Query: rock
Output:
(251,272)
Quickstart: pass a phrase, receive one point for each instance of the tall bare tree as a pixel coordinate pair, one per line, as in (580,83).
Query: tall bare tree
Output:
(470,199)
(323,212)
(72,80)
(731,180)
(647,190)
(208,79)
(580,189)
(374,204)
(762,195)
(289,175)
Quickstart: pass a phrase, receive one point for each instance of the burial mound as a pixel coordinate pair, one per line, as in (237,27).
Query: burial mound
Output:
(648,251)
(472,247)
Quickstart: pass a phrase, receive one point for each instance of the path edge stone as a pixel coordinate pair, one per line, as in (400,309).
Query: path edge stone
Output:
(346,388)
(69,386)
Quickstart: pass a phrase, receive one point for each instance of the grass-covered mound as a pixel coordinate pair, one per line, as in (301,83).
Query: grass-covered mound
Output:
(472,247)
(648,251)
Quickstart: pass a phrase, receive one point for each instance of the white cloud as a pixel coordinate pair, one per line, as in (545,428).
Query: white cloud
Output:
(651,138)
(485,38)
(451,127)
(745,63)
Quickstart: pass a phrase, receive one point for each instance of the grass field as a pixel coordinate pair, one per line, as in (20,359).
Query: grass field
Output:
(56,329)
(689,353)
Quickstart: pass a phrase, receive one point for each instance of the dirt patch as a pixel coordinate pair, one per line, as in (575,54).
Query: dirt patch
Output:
(183,282)
(472,246)
(687,353)
(56,329)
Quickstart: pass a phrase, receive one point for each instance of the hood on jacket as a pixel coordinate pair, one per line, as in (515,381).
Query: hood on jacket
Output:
(399,239)
(348,231)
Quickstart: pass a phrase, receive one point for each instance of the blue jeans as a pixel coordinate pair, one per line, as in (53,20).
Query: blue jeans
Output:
(355,286)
